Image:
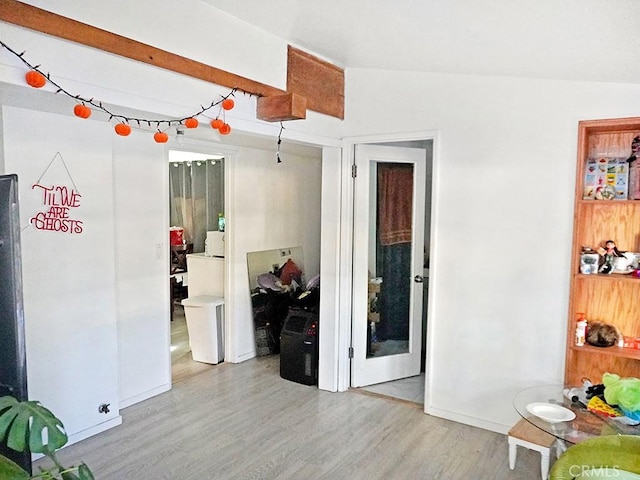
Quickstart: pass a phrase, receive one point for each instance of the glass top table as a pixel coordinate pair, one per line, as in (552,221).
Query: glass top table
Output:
(585,425)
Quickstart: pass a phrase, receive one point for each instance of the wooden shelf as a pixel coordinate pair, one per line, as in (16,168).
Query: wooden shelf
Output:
(607,202)
(609,298)
(631,353)
(613,277)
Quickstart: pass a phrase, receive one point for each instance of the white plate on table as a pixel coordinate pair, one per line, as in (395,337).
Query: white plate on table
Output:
(550,412)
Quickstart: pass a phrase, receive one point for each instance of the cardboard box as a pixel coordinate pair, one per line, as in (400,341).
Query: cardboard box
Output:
(606,178)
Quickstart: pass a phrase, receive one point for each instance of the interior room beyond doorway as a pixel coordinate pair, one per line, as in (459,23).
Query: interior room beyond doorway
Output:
(196,238)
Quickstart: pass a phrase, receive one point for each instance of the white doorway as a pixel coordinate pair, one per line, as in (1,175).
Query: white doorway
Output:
(196,208)
(388,359)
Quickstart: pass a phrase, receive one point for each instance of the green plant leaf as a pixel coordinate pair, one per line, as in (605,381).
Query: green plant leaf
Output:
(7,415)
(85,472)
(11,471)
(28,422)
(69,476)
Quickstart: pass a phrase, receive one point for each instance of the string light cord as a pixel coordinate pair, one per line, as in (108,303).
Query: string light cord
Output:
(278,160)
(224,103)
(123,118)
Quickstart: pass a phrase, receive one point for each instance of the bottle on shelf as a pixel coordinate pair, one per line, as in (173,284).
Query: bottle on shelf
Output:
(221,222)
(581,330)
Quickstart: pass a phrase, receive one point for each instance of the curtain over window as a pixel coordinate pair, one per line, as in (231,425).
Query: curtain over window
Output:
(196,191)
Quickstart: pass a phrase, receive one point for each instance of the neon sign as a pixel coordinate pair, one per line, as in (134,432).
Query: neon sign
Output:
(58,201)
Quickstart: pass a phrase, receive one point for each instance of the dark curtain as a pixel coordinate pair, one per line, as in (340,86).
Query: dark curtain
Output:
(393,250)
(394,292)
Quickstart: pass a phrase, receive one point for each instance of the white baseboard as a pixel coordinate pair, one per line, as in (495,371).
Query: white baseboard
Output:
(89,432)
(243,357)
(127,402)
(467,420)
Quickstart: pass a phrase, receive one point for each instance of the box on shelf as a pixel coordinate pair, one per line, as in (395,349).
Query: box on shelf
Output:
(631,342)
(589,262)
(634,180)
(606,178)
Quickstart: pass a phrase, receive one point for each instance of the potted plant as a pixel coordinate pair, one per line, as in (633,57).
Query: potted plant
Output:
(28,426)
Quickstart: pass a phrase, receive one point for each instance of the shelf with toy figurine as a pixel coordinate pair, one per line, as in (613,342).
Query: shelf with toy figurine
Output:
(606,228)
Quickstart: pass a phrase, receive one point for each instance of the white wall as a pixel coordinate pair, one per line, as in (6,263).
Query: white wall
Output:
(69,278)
(503,203)
(141,222)
(96,305)
(274,205)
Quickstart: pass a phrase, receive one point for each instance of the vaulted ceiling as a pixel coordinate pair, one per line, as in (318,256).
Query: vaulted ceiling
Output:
(595,40)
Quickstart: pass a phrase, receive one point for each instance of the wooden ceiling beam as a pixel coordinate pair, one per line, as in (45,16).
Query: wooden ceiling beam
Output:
(278,108)
(311,83)
(34,18)
(320,82)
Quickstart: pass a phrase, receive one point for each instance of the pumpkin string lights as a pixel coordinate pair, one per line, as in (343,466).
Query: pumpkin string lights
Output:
(37,79)
(82,111)
(221,124)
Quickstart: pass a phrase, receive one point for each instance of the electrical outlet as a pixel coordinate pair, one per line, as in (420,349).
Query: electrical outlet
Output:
(284,253)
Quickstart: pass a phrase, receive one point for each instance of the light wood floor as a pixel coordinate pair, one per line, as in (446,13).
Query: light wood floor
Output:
(182,364)
(410,389)
(243,421)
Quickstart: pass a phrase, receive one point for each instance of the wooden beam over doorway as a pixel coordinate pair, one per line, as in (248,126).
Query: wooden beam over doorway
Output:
(34,18)
(311,83)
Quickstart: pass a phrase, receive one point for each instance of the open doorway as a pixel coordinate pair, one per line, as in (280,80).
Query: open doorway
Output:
(410,388)
(197,252)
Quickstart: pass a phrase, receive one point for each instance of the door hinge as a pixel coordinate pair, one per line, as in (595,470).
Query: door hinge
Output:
(350,352)
(354,170)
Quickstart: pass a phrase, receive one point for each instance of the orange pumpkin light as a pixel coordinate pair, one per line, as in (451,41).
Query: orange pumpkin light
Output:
(35,79)
(191,122)
(225,129)
(217,123)
(228,103)
(122,129)
(160,137)
(82,111)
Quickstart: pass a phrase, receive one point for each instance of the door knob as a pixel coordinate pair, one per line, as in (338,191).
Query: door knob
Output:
(418,279)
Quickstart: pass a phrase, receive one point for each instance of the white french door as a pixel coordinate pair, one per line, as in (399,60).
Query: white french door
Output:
(388,246)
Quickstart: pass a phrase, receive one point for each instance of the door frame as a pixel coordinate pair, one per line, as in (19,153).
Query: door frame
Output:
(346,282)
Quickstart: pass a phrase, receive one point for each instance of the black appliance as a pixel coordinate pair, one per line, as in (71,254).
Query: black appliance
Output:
(13,374)
(299,346)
